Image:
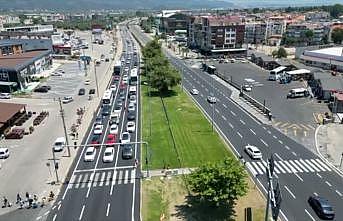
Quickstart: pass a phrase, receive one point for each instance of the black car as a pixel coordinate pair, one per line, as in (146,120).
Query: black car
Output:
(106,110)
(107,59)
(131,116)
(82,91)
(41,89)
(91,91)
(127,151)
(322,207)
(98,120)
(47,87)
(95,139)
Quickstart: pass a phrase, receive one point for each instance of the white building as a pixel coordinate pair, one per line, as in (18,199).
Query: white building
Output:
(327,58)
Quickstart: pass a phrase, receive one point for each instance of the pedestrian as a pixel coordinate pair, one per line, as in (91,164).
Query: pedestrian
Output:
(136,163)
(18,198)
(77,135)
(21,203)
(5,201)
(27,195)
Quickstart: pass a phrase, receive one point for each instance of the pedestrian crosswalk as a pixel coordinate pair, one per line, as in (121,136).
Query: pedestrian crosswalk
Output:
(289,166)
(101,178)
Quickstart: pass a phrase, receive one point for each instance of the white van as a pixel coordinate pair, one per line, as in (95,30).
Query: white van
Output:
(298,92)
(4,153)
(59,144)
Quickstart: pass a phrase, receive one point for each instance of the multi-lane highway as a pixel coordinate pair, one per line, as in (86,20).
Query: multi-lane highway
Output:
(300,172)
(106,191)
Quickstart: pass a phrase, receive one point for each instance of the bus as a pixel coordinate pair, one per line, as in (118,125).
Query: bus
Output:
(107,98)
(117,68)
(274,74)
(133,76)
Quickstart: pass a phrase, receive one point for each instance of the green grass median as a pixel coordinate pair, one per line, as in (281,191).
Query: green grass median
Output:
(194,142)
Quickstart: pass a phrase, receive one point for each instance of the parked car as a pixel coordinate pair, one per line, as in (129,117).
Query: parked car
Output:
(90,154)
(111,139)
(211,99)
(125,137)
(87,82)
(98,129)
(56,74)
(127,151)
(59,144)
(253,152)
(106,110)
(67,99)
(82,91)
(41,89)
(16,133)
(5,96)
(131,116)
(194,91)
(91,91)
(98,120)
(114,129)
(113,87)
(108,155)
(133,99)
(131,107)
(247,87)
(117,110)
(114,119)
(4,153)
(130,127)
(95,139)
(321,207)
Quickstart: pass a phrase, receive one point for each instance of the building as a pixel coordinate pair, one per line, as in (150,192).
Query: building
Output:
(326,58)
(324,85)
(317,16)
(255,33)
(9,114)
(217,35)
(300,34)
(32,29)
(275,28)
(25,45)
(174,21)
(7,48)
(46,17)
(264,60)
(18,69)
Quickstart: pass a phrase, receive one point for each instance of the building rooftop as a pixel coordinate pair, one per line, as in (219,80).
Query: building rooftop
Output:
(335,51)
(7,110)
(17,61)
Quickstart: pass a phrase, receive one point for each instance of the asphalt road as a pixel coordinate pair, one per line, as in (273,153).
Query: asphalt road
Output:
(300,172)
(103,191)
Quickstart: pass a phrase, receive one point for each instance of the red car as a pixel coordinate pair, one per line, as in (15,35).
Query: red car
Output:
(122,85)
(111,139)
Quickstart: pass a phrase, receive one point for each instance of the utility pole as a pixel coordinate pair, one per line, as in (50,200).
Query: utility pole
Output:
(55,165)
(212,105)
(64,125)
(96,80)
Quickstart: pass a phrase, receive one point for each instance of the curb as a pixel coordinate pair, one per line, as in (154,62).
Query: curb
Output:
(340,173)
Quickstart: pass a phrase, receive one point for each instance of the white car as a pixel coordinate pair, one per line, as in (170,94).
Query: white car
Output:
(247,87)
(113,87)
(126,69)
(117,110)
(131,107)
(90,154)
(130,127)
(67,99)
(56,74)
(87,82)
(253,152)
(211,99)
(5,96)
(4,153)
(98,129)
(133,99)
(108,155)
(125,137)
(114,129)
(194,91)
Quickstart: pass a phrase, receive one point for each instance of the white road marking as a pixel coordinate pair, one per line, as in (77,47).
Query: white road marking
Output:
(39,217)
(126,179)
(113,181)
(109,174)
(277,155)
(269,132)
(53,207)
(231,125)
(233,113)
(239,134)
(296,166)
(217,110)
(120,177)
(309,215)
(225,105)
(280,141)
(317,165)
(95,181)
(313,166)
(264,142)
(290,192)
(242,121)
(301,179)
(287,147)
(329,184)
(323,164)
(264,128)
(305,164)
(256,166)
(275,136)
(103,175)
(252,170)
(319,175)
(79,181)
(81,214)
(294,153)
(59,207)
(290,166)
(224,118)
(316,194)
(55,216)
(108,209)
(46,213)
(252,131)
(201,95)
(133,177)
(279,166)
(339,193)
(285,167)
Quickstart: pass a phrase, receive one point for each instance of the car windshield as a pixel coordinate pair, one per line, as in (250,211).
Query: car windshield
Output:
(327,208)
(108,153)
(125,136)
(89,152)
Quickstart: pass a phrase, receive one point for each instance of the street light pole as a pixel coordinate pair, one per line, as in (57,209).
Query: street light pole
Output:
(212,105)
(64,126)
(96,80)
(54,159)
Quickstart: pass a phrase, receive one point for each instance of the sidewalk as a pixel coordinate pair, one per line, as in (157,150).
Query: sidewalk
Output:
(329,141)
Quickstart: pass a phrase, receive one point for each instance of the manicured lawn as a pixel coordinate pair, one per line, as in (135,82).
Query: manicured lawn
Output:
(195,143)
(169,198)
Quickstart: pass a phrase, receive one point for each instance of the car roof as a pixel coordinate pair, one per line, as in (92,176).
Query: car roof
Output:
(90,149)
(253,148)
(109,149)
(3,148)
(322,201)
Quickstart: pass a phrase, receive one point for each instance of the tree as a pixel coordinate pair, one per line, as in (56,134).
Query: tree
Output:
(281,53)
(337,35)
(219,183)
(274,53)
(309,36)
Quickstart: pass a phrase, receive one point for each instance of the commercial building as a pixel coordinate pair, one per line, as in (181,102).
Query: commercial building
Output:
(18,69)
(31,29)
(255,33)
(172,21)
(9,113)
(327,58)
(217,35)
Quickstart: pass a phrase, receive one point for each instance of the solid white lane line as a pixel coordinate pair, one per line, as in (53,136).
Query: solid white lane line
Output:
(329,184)
(239,134)
(265,144)
(301,179)
(113,181)
(310,215)
(277,155)
(59,207)
(287,147)
(294,153)
(224,105)
(231,125)
(224,118)
(81,214)
(252,131)
(55,216)
(339,193)
(319,175)
(290,192)
(242,121)
(108,209)
(323,164)
(233,113)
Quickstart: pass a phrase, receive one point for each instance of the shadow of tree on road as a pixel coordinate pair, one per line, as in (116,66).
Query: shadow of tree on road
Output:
(154,93)
(201,210)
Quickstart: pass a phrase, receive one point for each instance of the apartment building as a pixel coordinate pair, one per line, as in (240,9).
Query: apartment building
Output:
(275,28)
(306,33)
(317,16)
(46,17)
(255,32)
(216,34)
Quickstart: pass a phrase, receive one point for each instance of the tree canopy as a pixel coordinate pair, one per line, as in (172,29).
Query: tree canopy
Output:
(220,183)
(337,35)
(161,75)
(280,53)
